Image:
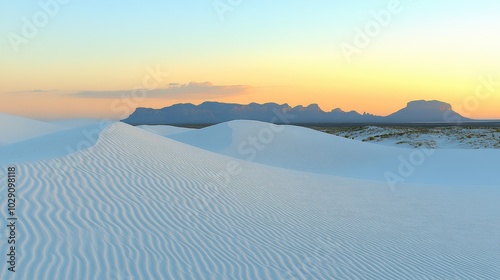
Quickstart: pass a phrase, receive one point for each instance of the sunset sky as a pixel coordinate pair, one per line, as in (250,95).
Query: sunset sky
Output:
(91,58)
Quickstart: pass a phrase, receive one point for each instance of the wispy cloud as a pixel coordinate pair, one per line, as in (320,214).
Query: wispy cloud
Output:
(32,91)
(175,90)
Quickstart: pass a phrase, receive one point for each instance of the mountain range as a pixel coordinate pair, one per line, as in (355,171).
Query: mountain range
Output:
(419,111)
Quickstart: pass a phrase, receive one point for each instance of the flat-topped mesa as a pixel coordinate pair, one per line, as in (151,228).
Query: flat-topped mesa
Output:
(422,111)
(429,105)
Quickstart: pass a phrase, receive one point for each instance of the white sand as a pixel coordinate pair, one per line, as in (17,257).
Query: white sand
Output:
(164,130)
(304,149)
(137,205)
(15,129)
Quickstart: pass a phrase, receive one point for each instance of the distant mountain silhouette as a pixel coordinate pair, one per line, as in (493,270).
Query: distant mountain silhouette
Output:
(214,112)
(426,111)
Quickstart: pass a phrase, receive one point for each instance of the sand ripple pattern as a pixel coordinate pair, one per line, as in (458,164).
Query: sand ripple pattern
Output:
(139,206)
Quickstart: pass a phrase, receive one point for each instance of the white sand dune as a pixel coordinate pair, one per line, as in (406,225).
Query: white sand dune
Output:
(164,130)
(303,149)
(140,206)
(53,145)
(15,129)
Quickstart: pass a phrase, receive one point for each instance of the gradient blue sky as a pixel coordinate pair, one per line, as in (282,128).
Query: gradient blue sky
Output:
(282,51)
